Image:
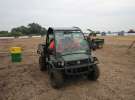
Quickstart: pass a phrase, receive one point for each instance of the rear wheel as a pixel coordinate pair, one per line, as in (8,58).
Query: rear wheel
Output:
(56,79)
(94,74)
(42,63)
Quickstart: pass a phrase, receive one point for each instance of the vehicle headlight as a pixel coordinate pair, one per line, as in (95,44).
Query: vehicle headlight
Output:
(61,63)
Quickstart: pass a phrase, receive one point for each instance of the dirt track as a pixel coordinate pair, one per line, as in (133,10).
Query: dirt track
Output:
(24,81)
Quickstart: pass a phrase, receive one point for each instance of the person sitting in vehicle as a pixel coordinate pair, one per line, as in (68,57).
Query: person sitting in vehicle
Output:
(52,46)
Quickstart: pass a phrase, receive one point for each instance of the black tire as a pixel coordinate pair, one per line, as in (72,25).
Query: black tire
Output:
(94,74)
(56,79)
(42,65)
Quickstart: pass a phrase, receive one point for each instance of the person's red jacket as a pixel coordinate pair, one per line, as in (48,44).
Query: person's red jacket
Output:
(52,45)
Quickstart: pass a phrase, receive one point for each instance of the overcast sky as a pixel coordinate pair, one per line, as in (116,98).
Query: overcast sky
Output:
(100,15)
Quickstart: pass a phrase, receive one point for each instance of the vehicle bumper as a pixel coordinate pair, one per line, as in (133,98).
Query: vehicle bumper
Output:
(77,69)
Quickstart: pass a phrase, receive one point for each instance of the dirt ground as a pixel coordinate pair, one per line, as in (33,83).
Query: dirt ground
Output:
(24,81)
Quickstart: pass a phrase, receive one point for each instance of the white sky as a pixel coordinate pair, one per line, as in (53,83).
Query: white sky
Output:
(103,15)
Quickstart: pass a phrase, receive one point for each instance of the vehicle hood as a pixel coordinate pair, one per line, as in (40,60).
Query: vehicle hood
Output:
(73,57)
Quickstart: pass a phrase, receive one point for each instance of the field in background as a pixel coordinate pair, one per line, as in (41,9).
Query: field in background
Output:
(119,37)
(118,40)
(24,81)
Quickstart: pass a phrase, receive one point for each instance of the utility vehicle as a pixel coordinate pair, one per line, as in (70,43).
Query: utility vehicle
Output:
(71,56)
(96,43)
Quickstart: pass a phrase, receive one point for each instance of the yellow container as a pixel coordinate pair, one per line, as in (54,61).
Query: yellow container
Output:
(15,50)
(16,54)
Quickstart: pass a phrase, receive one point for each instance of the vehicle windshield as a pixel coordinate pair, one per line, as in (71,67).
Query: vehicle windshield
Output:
(70,42)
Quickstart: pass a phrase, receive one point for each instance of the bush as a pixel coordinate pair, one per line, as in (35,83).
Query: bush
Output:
(16,34)
(30,29)
(4,33)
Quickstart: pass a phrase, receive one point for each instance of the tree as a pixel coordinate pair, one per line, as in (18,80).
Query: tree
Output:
(109,32)
(4,33)
(22,29)
(16,34)
(131,31)
(43,31)
(31,29)
(34,28)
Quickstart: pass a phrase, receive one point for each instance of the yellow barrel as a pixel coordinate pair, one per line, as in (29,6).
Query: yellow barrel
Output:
(16,54)
(15,50)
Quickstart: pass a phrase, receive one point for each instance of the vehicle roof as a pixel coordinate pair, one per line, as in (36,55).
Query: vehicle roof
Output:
(65,28)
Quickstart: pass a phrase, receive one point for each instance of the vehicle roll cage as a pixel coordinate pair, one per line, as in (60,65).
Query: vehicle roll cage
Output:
(52,30)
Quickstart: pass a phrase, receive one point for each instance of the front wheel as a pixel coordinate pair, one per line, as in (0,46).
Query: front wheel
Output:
(42,63)
(56,79)
(94,74)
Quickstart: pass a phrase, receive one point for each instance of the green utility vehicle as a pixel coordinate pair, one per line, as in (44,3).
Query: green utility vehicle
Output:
(71,56)
(97,43)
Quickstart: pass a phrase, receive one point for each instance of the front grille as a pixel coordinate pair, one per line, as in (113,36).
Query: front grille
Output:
(77,62)
(77,70)
(71,63)
(85,61)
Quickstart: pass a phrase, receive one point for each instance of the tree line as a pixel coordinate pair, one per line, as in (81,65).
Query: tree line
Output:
(30,29)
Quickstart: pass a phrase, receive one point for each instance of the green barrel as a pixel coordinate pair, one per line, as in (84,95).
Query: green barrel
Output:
(16,54)
(16,57)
